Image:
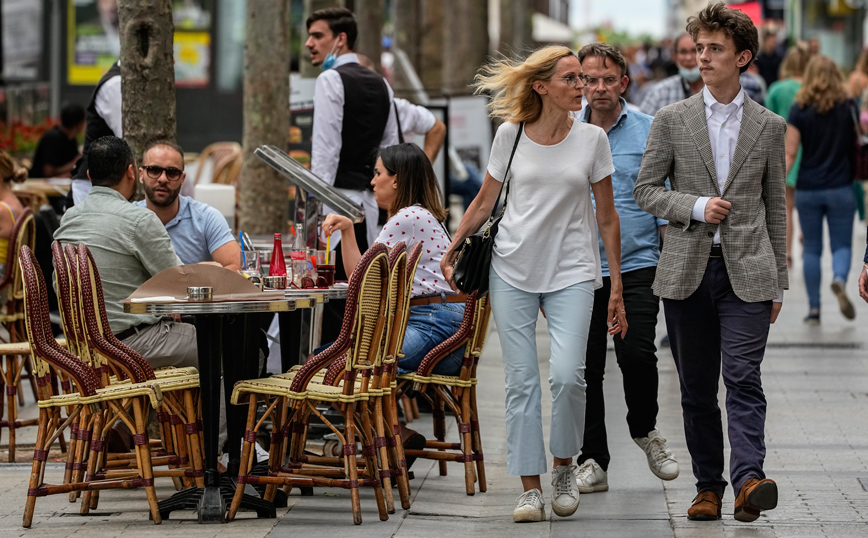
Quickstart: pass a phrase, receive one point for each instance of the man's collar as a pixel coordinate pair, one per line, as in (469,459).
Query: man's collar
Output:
(348,58)
(107,191)
(585,115)
(709,99)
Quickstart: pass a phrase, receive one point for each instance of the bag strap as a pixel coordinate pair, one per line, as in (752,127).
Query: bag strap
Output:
(506,175)
(853,112)
(398,119)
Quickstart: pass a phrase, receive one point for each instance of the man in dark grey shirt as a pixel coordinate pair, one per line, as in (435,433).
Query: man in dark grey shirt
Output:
(129,245)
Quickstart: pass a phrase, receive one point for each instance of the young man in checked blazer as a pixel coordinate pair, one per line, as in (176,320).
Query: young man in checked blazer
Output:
(723,268)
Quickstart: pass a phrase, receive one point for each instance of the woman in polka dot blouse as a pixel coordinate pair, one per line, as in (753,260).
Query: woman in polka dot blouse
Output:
(405,186)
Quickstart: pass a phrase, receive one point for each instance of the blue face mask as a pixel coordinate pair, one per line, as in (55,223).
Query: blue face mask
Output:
(330,59)
(690,75)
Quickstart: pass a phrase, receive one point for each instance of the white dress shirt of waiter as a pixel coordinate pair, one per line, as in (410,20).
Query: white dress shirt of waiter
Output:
(129,245)
(198,231)
(330,50)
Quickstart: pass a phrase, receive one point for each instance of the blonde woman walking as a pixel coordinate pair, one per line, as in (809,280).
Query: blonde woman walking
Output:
(545,256)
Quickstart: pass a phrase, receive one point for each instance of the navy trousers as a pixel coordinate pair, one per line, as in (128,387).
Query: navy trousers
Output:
(711,329)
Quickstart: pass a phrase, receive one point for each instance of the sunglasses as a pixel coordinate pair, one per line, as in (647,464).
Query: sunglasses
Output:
(154,172)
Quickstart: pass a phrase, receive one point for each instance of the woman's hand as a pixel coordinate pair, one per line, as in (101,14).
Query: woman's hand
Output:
(617,316)
(336,223)
(446,266)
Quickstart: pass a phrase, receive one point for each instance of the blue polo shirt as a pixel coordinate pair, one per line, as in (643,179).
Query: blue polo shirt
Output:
(196,231)
(640,238)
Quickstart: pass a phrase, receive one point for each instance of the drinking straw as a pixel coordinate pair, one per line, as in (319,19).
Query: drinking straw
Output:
(243,260)
(328,242)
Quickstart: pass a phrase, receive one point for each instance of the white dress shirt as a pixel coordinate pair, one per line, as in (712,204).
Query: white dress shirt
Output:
(328,117)
(108,105)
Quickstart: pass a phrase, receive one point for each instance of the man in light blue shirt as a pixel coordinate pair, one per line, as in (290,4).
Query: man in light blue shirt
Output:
(198,231)
(606,79)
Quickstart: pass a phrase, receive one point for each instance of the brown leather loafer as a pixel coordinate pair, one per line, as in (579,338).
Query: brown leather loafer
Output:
(755,495)
(705,507)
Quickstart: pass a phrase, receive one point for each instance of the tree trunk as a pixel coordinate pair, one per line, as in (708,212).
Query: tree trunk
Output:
(369,16)
(408,29)
(516,27)
(466,25)
(147,72)
(431,50)
(307,69)
(264,203)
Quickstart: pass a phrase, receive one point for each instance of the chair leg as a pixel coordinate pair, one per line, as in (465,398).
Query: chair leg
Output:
(407,405)
(371,467)
(36,469)
(467,444)
(81,448)
(439,416)
(144,456)
(477,441)
(11,402)
(92,462)
(379,434)
(393,432)
(246,455)
(195,446)
(350,463)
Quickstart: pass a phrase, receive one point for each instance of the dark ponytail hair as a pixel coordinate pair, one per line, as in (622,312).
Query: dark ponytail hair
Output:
(417,183)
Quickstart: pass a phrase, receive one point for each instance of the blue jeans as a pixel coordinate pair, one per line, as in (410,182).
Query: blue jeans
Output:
(837,206)
(427,327)
(568,312)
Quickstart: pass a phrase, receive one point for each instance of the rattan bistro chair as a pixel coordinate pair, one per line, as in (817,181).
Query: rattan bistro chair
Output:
(361,339)
(458,393)
(89,401)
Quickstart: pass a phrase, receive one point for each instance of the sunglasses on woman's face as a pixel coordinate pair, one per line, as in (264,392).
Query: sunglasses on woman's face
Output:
(154,172)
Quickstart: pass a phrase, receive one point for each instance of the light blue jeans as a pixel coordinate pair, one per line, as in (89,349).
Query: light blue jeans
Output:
(568,312)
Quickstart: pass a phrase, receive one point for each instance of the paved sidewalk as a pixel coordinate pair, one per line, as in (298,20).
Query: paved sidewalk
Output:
(816,383)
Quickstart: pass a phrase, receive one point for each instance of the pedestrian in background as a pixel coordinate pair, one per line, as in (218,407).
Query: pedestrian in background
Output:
(822,121)
(780,100)
(545,256)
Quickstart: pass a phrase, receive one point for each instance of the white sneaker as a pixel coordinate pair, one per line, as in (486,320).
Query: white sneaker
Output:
(529,507)
(660,459)
(591,477)
(565,497)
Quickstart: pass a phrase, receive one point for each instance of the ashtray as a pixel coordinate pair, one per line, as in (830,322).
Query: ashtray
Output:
(200,293)
(274,282)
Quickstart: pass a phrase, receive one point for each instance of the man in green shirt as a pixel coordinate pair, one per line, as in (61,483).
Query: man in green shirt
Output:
(129,245)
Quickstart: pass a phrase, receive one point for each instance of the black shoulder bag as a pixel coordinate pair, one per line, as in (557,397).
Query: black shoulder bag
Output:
(474,260)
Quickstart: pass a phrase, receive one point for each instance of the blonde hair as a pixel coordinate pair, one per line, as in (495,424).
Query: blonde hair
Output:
(509,82)
(862,63)
(823,85)
(9,169)
(794,62)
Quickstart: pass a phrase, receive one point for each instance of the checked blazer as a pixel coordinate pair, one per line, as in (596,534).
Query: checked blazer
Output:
(753,235)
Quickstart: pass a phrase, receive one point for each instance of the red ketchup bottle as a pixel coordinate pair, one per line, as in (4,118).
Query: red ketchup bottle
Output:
(278,264)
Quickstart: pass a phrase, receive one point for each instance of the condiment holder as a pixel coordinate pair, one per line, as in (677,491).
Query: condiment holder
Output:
(200,293)
(274,282)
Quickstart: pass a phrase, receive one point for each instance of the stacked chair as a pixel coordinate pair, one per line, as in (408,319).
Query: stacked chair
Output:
(457,393)
(16,368)
(104,380)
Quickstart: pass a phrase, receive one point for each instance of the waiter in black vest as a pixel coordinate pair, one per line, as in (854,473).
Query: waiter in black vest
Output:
(103,118)
(352,118)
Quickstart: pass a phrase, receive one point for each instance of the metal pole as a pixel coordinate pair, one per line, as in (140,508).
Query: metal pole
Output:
(55,56)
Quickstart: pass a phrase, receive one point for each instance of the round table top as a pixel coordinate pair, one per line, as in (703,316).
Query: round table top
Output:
(324,294)
(222,307)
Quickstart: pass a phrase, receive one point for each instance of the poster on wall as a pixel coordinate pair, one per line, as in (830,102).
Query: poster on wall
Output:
(22,39)
(94,41)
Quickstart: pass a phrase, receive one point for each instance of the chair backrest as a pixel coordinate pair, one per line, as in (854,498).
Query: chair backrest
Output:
(363,322)
(32,199)
(23,233)
(461,337)
(99,335)
(67,295)
(44,349)
(220,153)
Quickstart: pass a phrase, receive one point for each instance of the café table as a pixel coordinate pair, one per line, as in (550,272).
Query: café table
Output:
(227,335)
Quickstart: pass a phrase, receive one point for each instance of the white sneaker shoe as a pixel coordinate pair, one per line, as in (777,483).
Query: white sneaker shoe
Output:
(591,477)
(660,459)
(529,507)
(565,497)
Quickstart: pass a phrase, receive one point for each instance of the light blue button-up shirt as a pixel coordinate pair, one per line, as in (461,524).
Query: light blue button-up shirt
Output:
(197,230)
(640,238)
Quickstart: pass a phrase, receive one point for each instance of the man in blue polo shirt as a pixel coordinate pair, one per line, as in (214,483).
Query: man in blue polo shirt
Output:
(606,79)
(198,231)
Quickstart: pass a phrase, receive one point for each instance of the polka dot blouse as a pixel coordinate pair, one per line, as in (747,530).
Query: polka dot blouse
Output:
(413,225)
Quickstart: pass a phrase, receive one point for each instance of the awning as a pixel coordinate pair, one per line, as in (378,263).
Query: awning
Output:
(548,30)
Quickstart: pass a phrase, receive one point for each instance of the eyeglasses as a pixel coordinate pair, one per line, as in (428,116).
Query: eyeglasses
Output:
(154,172)
(607,81)
(573,80)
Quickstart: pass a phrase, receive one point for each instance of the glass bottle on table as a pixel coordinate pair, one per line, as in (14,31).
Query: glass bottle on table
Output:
(277,267)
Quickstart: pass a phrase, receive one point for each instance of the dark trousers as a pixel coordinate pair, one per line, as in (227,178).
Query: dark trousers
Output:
(636,355)
(709,328)
(333,311)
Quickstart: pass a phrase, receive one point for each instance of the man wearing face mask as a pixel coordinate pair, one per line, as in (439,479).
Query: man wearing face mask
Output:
(353,117)
(677,87)
(129,245)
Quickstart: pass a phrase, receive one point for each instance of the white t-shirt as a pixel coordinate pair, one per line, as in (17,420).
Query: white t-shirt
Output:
(411,225)
(547,239)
